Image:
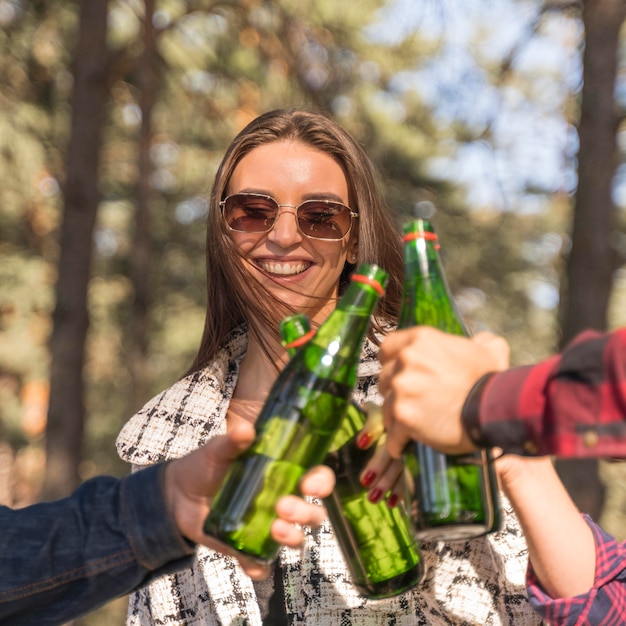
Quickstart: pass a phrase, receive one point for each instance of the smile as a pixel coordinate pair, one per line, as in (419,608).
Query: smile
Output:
(283,269)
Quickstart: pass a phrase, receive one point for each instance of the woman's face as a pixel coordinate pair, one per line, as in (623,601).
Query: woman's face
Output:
(301,271)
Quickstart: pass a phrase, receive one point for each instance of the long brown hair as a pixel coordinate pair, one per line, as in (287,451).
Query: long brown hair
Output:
(233,297)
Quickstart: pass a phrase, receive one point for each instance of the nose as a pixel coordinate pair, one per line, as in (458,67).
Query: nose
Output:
(285,231)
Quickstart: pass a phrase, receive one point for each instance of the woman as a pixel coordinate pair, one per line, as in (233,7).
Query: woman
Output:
(271,252)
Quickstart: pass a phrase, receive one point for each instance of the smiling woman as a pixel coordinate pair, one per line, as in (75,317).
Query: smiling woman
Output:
(290,157)
(294,207)
(297,268)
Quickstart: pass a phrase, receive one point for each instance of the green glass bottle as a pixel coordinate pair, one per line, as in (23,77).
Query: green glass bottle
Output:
(456,497)
(297,423)
(377,542)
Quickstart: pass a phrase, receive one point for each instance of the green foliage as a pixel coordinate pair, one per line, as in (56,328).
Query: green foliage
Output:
(220,65)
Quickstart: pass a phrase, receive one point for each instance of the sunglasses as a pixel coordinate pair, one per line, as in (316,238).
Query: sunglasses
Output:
(317,219)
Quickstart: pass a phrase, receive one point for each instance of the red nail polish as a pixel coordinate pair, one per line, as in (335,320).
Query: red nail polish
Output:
(392,500)
(368,478)
(375,495)
(363,441)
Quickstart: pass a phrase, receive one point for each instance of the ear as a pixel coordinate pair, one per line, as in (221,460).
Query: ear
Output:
(353,251)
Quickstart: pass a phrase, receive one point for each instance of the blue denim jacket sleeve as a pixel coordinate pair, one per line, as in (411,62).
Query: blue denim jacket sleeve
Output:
(61,559)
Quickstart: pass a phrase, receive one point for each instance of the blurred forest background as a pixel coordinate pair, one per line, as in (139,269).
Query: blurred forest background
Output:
(507,116)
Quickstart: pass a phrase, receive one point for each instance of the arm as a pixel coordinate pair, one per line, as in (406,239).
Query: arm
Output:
(560,543)
(572,405)
(62,559)
(70,556)
(577,573)
(604,604)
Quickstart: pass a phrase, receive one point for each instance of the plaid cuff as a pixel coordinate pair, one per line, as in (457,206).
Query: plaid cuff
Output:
(470,414)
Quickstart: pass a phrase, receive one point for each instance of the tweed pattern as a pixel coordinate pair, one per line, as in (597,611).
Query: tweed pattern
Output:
(481,582)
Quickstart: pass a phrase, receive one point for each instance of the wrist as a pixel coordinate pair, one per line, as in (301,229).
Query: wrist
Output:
(470,413)
(175,505)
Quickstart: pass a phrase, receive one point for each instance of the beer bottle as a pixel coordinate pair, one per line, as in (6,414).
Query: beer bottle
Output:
(456,497)
(297,423)
(377,542)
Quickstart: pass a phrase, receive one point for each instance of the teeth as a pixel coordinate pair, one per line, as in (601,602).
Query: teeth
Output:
(284,269)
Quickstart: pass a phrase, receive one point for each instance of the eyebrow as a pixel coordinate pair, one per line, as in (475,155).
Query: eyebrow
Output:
(324,195)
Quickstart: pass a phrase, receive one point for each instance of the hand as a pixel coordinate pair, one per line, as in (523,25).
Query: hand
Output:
(426,376)
(521,474)
(191,483)
(382,475)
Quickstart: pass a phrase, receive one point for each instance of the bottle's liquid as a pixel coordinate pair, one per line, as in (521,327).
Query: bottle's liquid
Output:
(296,433)
(377,541)
(451,493)
(249,530)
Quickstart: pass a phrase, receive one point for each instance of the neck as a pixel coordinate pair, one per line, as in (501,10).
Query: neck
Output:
(258,369)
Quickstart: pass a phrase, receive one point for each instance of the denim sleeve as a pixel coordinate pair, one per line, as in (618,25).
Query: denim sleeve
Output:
(65,558)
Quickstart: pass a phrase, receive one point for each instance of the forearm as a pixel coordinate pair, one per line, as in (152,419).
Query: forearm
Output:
(604,604)
(64,558)
(560,543)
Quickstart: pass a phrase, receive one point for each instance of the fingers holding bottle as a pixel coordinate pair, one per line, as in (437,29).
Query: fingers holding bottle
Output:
(427,372)
(192,482)
(295,512)
(382,473)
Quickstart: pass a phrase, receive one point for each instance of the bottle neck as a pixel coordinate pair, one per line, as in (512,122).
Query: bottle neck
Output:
(426,296)
(295,331)
(349,322)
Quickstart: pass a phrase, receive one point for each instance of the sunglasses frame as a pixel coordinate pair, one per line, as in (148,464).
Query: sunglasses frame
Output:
(352,213)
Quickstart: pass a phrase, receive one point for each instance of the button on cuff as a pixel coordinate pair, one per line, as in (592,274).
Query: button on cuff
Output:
(590,439)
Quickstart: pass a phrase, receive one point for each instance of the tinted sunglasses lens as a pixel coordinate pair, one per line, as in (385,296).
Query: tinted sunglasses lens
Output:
(250,214)
(324,220)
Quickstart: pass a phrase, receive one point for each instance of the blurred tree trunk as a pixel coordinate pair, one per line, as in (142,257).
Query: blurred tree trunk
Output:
(141,253)
(66,414)
(592,259)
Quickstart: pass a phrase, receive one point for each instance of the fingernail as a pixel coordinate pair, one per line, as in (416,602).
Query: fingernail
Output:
(375,495)
(363,441)
(368,478)
(392,500)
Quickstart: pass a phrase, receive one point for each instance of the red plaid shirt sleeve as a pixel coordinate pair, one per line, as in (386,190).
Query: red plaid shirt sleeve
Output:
(571,405)
(604,604)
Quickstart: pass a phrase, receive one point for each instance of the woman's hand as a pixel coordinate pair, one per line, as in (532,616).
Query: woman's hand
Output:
(382,474)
